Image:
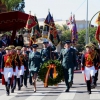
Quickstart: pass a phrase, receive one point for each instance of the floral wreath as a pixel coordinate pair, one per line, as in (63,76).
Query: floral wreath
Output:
(44,72)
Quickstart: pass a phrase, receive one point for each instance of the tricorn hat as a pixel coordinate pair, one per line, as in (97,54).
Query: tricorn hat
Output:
(18,48)
(12,46)
(7,48)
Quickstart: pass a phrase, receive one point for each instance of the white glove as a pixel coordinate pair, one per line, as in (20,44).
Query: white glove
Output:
(29,69)
(2,72)
(50,44)
(82,72)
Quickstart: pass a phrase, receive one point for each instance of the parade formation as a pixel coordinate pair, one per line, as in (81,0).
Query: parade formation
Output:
(20,62)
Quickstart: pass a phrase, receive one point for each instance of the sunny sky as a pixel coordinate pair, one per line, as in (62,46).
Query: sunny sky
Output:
(61,9)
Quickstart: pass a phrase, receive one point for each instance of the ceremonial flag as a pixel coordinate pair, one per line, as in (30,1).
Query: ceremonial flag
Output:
(74,30)
(30,22)
(36,29)
(48,19)
(70,20)
(97,34)
(53,34)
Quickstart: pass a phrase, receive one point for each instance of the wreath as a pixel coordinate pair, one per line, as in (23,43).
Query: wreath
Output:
(45,74)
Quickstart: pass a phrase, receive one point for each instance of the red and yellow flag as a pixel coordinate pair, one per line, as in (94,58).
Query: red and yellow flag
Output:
(30,22)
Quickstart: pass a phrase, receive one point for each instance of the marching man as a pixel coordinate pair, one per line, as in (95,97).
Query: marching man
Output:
(20,60)
(15,68)
(88,68)
(7,69)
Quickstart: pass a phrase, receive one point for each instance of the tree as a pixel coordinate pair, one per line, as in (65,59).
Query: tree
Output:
(82,37)
(10,4)
(66,34)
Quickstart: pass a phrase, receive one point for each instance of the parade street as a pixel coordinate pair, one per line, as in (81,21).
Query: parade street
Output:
(77,92)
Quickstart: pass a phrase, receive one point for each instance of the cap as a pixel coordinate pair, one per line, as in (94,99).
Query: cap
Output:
(12,46)
(7,48)
(18,48)
(45,41)
(68,41)
(34,46)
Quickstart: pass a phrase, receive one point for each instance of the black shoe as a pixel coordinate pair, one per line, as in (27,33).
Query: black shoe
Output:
(12,90)
(34,91)
(93,86)
(7,92)
(21,85)
(89,92)
(25,86)
(14,87)
(19,88)
(70,84)
(67,90)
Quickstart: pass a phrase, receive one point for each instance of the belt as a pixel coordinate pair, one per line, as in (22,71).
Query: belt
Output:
(89,65)
(8,66)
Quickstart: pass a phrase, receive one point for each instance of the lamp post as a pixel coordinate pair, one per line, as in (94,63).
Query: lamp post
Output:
(87,34)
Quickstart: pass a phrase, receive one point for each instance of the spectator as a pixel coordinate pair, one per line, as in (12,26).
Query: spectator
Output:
(15,43)
(20,41)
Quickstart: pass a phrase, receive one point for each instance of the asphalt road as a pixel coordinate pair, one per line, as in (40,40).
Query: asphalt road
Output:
(77,92)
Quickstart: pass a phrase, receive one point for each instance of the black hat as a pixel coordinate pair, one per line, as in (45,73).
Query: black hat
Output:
(67,41)
(34,46)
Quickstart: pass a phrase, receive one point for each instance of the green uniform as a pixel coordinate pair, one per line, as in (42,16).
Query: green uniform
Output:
(45,53)
(34,62)
(68,59)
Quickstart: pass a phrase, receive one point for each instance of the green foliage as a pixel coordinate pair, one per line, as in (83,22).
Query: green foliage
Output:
(10,4)
(43,71)
(66,34)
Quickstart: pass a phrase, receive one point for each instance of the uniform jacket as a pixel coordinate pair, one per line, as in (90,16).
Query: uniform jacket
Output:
(68,58)
(85,60)
(26,61)
(34,61)
(13,56)
(20,60)
(45,53)
(6,61)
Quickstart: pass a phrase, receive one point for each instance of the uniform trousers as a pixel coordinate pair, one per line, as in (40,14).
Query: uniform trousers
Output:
(89,71)
(8,72)
(68,76)
(15,73)
(20,76)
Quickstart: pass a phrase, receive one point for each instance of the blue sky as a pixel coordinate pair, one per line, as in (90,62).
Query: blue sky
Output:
(61,9)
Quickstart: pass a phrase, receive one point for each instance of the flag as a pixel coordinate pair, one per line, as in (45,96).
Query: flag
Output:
(36,29)
(98,20)
(53,33)
(97,34)
(74,30)
(70,20)
(30,22)
(48,19)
